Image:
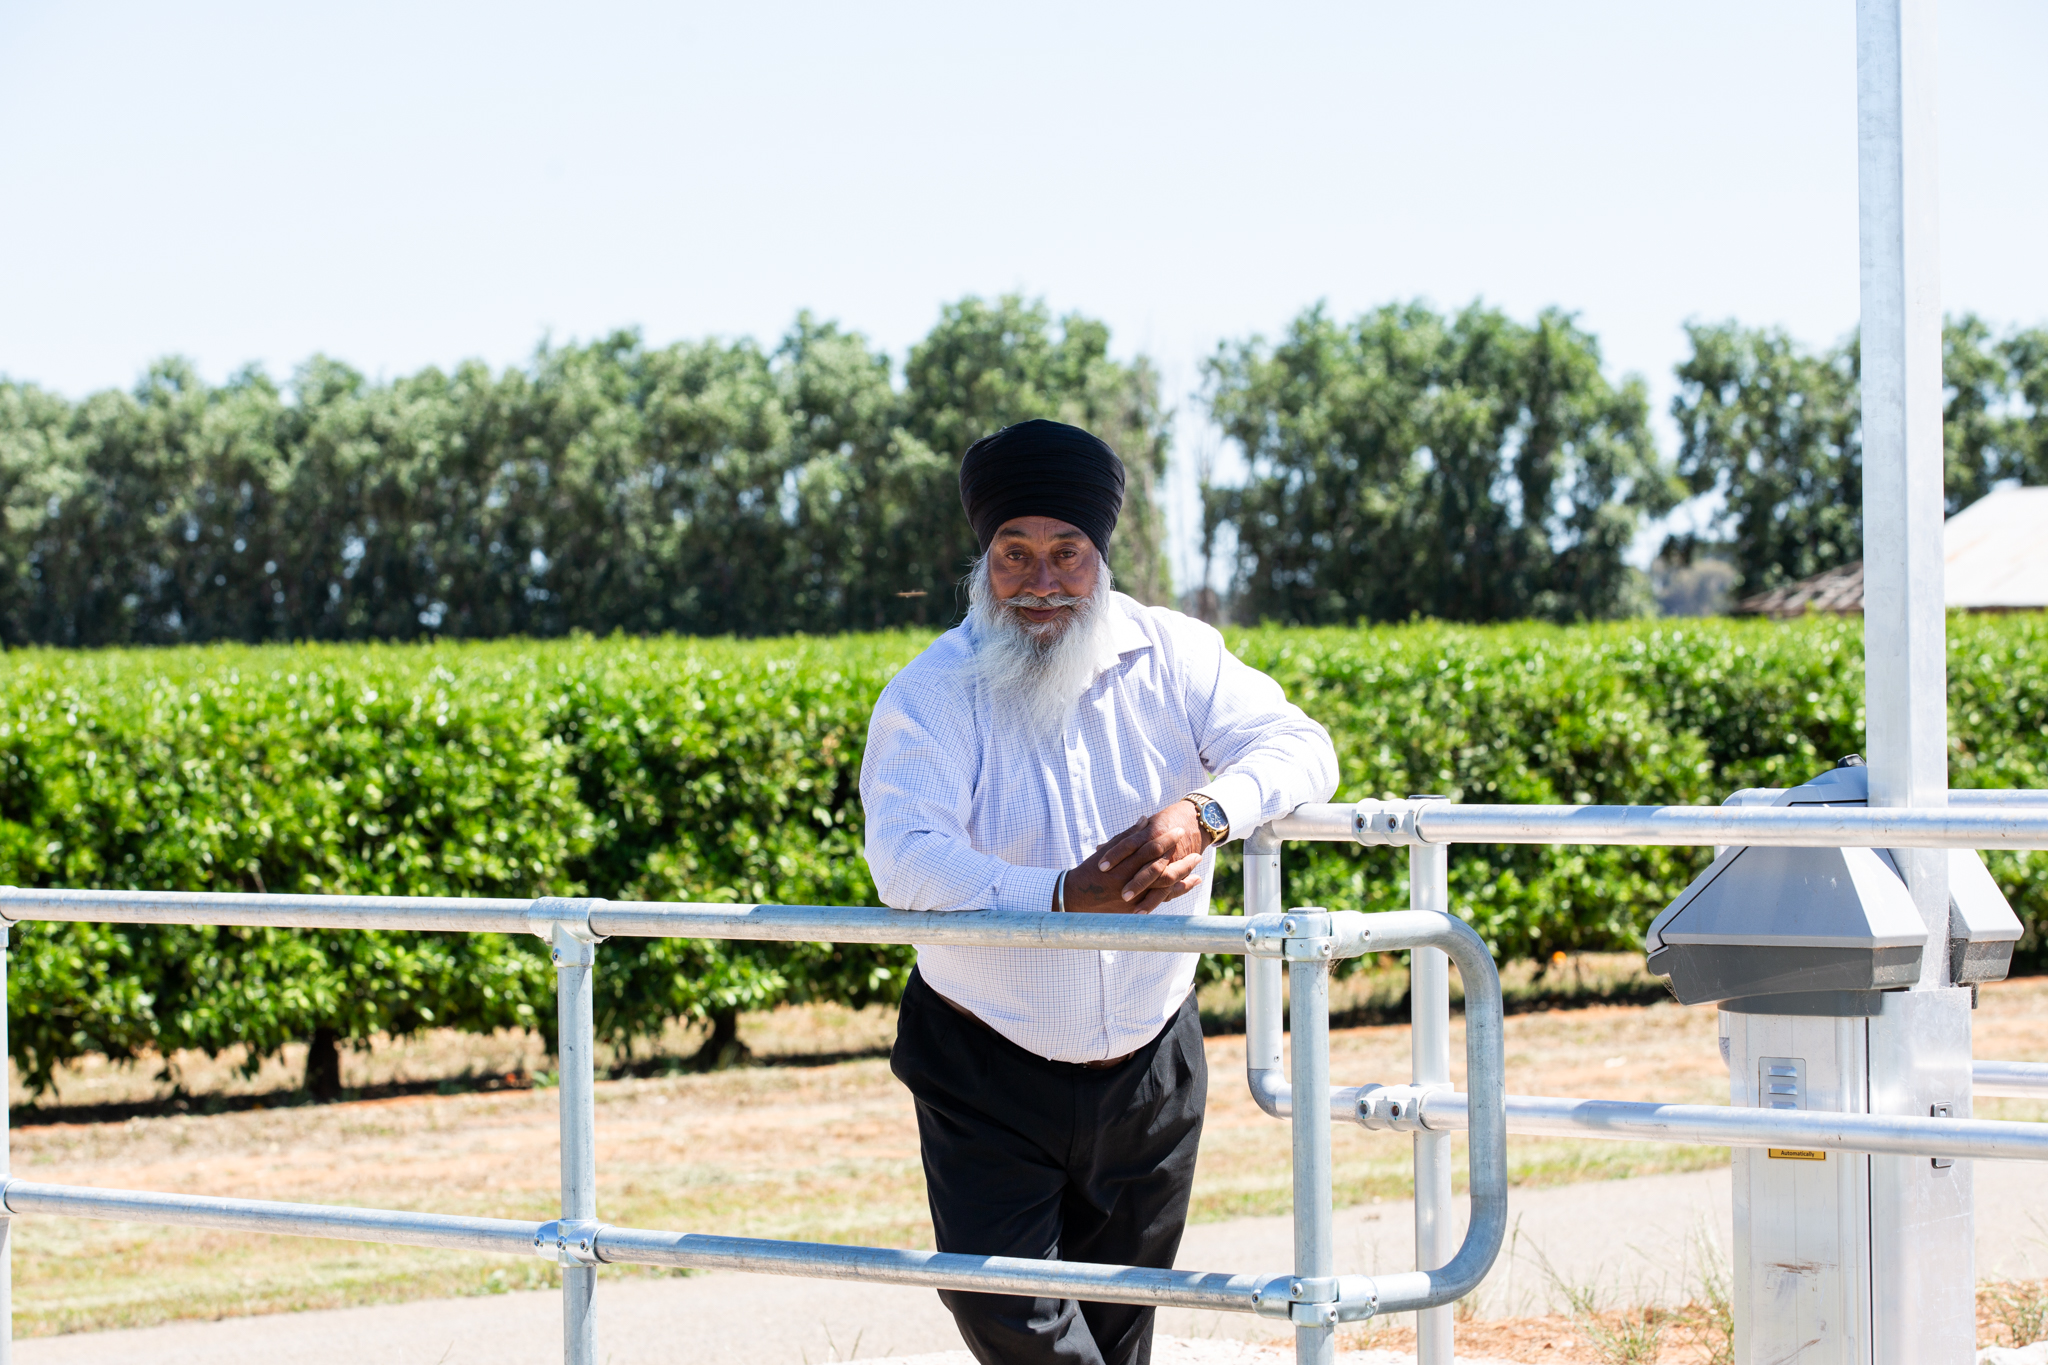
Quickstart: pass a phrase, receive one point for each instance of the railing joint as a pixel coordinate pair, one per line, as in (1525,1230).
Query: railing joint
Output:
(1398,1108)
(564,921)
(1298,936)
(1273,1299)
(569,1241)
(1387,824)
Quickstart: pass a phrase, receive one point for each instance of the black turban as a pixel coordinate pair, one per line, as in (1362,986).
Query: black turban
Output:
(1042,469)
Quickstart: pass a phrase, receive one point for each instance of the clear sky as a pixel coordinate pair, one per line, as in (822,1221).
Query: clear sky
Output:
(404,185)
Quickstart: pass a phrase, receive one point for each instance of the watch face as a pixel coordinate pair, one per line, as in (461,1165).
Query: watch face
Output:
(1213,817)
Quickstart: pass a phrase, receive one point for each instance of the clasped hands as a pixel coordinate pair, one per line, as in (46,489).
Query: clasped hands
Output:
(1141,869)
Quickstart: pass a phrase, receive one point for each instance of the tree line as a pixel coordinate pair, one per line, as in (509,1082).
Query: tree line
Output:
(1463,466)
(1470,467)
(709,487)
(1776,429)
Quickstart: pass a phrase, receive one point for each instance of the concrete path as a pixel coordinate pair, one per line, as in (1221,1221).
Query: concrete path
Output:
(1638,1238)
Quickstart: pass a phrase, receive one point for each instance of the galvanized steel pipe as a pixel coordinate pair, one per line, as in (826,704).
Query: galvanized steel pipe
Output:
(2023,1080)
(1485,1120)
(639,1246)
(1429,1009)
(1986,825)
(1768,826)
(1486,1152)
(1159,932)
(1724,1126)
(1315,1242)
(639,919)
(1263,1035)
(451,914)
(262,1215)
(1957,796)
(938,1269)
(575,958)
(1318,822)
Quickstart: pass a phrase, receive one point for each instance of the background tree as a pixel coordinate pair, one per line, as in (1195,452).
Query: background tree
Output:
(705,487)
(2026,434)
(1775,430)
(1467,468)
(987,365)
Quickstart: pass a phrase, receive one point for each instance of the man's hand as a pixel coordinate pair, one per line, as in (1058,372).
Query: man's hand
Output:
(1141,869)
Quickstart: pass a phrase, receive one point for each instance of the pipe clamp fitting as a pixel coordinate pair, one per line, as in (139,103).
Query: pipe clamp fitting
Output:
(1397,1108)
(564,921)
(1298,936)
(1271,1298)
(1302,1289)
(1380,824)
(568,1242)
(1358,1298)
(1265,935)
(1298,1299)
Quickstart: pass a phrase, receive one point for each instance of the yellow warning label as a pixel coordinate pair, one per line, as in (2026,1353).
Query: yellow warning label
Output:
(1796,1154)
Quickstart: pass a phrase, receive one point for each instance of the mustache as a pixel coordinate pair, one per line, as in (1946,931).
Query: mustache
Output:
(1024,601)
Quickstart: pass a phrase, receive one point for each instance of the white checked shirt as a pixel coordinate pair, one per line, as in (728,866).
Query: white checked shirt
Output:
(965,812)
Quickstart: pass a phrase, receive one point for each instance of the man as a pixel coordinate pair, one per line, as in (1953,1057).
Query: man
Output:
(1064,750)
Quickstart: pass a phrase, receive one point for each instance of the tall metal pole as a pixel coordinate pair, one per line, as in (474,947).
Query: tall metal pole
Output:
(1315,1256)
(1429,1005)
(1905,652)
(1922,1273)
(574,960)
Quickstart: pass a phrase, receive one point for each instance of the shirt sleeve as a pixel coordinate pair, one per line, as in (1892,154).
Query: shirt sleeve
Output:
(1265,753)
(917,794)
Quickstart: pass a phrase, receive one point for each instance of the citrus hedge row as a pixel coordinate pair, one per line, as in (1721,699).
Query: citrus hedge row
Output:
(719,770)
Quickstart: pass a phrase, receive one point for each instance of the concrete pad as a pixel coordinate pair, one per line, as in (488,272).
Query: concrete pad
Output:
(713,1319)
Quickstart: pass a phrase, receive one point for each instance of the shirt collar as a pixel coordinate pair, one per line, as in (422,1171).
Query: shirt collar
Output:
(1124,635)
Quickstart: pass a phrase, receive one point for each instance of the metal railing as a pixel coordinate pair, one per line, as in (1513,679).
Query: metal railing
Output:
(1305,944)
(1429,1109)
(1308,943)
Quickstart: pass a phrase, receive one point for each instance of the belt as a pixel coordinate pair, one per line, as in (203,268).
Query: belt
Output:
(979,1022)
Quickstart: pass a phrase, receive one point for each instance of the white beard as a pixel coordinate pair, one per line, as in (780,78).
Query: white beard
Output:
(1036,672)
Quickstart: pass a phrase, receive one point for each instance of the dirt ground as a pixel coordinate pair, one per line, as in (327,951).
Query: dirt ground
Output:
(824,1150)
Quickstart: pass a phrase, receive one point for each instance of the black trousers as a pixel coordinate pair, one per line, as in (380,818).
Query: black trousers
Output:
(1026,1157)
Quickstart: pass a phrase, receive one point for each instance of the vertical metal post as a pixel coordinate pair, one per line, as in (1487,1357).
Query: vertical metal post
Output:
(1262,872)
(1265,1038)
(1429,1007)
(6,1168)
(576,1020)
(1315,1257)
(1920,1240)
(1905,652)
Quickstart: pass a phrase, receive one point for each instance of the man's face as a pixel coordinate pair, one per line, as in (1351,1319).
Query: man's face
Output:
(1040,557)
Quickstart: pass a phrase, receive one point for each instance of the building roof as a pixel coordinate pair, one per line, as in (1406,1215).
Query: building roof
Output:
(1996,559)
(1839,589)
(1997,552)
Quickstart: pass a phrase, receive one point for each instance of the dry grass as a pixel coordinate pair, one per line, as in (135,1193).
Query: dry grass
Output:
(2009,1313)
(1555,1338)
(2012,1312)
(817,1151)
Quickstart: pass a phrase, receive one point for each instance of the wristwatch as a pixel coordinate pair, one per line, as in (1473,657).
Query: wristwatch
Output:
(1214,822)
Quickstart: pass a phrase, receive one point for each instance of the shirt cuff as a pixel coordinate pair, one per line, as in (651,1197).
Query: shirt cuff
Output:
(1239,795)
(1026,888)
